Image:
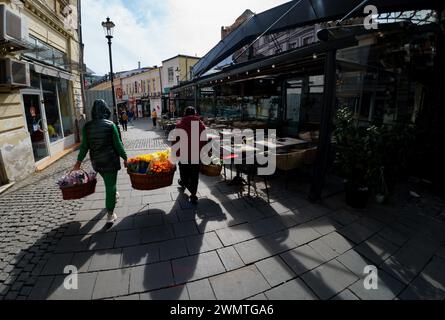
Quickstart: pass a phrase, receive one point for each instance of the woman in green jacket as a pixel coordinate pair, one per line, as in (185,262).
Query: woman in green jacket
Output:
(100,137)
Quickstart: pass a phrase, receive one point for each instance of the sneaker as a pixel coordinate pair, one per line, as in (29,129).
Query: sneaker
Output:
(181,184)
(111,218)
(194,199)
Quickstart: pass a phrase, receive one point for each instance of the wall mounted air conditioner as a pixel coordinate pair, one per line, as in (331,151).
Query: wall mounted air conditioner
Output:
(11,27)
(14,73)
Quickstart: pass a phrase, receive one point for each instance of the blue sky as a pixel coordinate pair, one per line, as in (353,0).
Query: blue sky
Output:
(151,31)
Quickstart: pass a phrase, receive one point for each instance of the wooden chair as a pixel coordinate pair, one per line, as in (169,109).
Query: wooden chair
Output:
(290,161)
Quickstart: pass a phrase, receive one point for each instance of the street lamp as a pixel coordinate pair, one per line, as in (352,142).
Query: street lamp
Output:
(108,28)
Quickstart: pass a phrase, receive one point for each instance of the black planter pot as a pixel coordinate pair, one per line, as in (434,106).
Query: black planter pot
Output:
(356,197)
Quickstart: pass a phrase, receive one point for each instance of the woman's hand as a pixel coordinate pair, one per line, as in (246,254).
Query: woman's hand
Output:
(77,166)
(125,163)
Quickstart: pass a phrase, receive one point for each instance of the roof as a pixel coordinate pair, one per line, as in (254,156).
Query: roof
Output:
(182,56)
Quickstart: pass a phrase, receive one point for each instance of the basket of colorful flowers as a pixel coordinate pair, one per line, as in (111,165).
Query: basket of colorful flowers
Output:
(151,171)
(77,184)
(213,169)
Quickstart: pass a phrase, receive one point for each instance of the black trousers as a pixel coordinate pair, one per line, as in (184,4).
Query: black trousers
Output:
(154,122)
(124,125)
(190,176)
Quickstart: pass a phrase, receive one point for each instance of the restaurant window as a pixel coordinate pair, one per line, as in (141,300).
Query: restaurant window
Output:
(66,109)
(54,124)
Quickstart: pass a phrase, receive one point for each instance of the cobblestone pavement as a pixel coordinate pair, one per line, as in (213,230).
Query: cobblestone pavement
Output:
(228,247)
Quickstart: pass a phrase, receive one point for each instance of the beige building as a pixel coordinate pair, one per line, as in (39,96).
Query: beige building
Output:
(40,84)
(142,91)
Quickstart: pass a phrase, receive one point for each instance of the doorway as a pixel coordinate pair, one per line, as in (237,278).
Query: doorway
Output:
(35,119)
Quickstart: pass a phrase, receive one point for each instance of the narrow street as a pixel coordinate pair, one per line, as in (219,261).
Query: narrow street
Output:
(230,247)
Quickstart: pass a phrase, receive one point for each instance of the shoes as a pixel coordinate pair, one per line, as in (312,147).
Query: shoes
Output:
(181,184)
(194,199)
(111,218)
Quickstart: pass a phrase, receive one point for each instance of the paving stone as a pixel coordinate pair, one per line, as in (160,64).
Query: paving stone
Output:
(132,297)
(344,217)
(172,249)
(279,242)
(156,234)
(174,293)
(106,260)
(158,198)
(230,258)
(140,255)
(346,295)
(429,284)
(302,259)
(329,279)
(303,234)
(239,284)
(102,241)
(324,225)
(200,290)
(356,232)
(236,234)
(337,242)
(253,250)
(151,277)
(376,249)
(203,243)
(393,236)
(321,247)
(197,267)
(112,284)
(86,283)
(354,262)
(57,264)
(128,238)
(73,244)
(150,220)
(184,229)
(292,290)
(274,270)
(82,261)
(266,226)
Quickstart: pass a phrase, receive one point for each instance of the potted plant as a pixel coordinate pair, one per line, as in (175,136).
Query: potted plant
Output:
(354,158)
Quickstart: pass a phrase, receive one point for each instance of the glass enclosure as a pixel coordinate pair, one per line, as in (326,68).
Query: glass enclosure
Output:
(36,125)
(49,88)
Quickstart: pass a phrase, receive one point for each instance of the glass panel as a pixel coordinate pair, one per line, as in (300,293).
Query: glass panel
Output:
(35,126)
(51,108)
(66,109)
(292,115)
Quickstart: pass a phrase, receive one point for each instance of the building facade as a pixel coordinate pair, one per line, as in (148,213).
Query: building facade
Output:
(39,117)
(175,71)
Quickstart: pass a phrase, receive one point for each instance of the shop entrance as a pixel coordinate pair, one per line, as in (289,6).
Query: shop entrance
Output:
(36,121)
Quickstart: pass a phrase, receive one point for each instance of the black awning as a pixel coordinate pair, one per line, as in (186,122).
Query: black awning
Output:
(294,14)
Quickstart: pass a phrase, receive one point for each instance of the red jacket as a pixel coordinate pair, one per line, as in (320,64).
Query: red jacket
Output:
(186,124)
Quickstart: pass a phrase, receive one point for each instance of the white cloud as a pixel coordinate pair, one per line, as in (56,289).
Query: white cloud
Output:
(151,31)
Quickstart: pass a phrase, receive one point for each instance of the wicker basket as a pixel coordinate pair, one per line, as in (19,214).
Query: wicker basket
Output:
(79,191)
(211,170)
(151,182)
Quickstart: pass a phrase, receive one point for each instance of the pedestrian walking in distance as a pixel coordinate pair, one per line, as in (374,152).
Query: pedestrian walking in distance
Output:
(189,173)
(101,138)
(154,117)
(124,120)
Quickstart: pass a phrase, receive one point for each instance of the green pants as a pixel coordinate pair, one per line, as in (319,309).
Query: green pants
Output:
(110,179)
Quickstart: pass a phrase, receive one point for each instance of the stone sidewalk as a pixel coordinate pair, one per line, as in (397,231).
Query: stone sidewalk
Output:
(228,247)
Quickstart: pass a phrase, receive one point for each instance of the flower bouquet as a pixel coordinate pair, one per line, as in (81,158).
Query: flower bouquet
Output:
(213,169)
(77,184)
(151,171)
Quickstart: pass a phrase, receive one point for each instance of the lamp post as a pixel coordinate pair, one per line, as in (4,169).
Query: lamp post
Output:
(108,28)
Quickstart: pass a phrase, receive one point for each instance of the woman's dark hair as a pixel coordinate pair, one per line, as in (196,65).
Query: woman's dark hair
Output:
(190,111)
